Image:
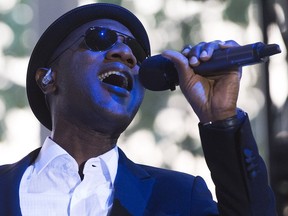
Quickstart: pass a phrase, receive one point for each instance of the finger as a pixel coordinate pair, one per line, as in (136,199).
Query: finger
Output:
(229,43)
(185,51)
(194,61)
(208,49)
(196,50)
(193,53)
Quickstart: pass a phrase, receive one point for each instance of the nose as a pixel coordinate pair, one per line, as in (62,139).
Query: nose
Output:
(122,52)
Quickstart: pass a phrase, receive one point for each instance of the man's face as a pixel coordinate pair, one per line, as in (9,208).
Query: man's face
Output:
(97,89)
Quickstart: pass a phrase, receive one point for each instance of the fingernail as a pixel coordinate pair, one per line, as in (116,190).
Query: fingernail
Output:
(204,54)
(193,60)
(185,50)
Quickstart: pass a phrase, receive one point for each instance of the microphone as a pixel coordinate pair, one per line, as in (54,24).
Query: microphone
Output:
(158,73)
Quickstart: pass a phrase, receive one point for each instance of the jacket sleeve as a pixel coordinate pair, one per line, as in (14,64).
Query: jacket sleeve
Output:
(238,171)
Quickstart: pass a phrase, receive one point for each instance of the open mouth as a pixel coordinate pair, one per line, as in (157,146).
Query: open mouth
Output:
(117,78)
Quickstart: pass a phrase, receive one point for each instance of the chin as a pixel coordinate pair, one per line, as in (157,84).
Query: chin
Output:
(113,124)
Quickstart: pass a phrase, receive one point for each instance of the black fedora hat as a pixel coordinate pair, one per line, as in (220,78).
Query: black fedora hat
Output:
(58,31)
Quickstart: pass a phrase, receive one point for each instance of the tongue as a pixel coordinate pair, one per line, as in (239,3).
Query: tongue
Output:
(116,80)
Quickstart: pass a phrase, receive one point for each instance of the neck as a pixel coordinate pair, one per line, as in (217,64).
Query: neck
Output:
(83,144)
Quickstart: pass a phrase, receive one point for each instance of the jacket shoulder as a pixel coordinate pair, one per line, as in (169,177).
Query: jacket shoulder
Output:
(168,174)
(174,188)
(177,182)
(24,162)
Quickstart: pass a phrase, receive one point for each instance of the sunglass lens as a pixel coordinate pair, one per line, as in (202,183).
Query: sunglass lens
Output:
(100,39)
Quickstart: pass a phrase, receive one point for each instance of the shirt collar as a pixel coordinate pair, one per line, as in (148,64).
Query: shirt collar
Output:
(51,150)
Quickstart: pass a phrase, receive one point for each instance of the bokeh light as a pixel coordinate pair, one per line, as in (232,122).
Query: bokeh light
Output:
(7,5)
(22,14)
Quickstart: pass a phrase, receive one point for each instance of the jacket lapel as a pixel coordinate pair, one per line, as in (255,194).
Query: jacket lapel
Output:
(133,187)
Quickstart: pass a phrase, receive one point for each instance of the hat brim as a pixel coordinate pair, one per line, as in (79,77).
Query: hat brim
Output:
(58,31)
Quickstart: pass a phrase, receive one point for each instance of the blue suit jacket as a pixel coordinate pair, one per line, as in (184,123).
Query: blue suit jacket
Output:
(139,190)
(232,156)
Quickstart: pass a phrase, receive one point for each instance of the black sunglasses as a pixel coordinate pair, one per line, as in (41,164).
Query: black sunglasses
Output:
(101,39)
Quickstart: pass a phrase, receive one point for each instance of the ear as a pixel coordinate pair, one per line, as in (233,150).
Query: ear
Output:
(45,79)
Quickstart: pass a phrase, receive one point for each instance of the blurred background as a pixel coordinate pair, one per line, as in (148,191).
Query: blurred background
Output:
(165,131)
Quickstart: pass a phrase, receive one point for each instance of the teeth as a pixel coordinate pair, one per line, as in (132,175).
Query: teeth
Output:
(115,79)
(105,75)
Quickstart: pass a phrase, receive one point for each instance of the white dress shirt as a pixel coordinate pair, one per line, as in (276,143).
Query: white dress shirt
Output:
(52,186)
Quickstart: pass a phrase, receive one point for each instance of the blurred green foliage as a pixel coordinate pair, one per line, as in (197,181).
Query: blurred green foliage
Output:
(13,95)
(17,48)
(237,11)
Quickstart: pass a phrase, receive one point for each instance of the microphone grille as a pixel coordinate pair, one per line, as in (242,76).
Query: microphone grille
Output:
(158,73)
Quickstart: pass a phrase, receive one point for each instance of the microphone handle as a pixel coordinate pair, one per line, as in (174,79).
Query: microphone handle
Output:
(236,57)
(162,70)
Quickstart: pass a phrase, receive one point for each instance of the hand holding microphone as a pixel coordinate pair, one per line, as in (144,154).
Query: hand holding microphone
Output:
(213,95)
(158,73)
